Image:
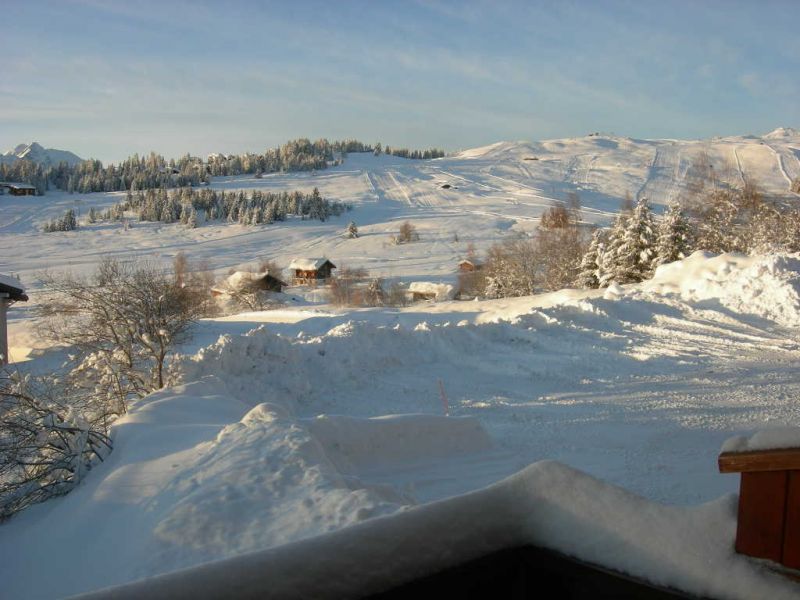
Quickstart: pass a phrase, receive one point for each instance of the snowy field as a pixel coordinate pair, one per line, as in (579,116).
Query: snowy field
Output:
(495,191)
(285,425)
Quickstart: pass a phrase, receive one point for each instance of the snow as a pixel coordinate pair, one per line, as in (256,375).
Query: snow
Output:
(767,439)
(36,153)
(307,264)
(10,281)
(783,132)
(766,286)
(240,280)
(393,439)
(547,504)
(313,433)
(441,291)
(499,194)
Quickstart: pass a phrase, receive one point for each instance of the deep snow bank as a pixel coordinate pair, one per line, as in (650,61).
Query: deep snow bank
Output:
(766,286)
(547,504)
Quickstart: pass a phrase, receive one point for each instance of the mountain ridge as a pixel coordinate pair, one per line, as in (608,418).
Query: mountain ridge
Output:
(38,154)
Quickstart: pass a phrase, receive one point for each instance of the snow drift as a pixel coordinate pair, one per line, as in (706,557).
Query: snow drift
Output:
(547,504)
(766,286)
(236,460)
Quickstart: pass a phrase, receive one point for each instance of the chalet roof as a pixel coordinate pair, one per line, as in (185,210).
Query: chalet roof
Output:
(309,264)
(241,280)
(470,261)
(12,286)
(17,186)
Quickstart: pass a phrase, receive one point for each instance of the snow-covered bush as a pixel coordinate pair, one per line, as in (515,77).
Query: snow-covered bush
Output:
(47,443)
(66,223)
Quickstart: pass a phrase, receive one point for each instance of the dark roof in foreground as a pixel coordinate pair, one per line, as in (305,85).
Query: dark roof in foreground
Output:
(12,287)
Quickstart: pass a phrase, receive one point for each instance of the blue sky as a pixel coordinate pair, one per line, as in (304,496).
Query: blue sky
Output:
(106,79)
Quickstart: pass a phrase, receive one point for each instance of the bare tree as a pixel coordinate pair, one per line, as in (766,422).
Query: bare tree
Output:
(555,217)
(511,268)
(396,295)
(407,233)
(559,252)
(121,322)
(346,288)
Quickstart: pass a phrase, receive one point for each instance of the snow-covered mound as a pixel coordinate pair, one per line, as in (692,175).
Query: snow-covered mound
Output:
(436,291)
(767,286)
(34,152)
(195,475)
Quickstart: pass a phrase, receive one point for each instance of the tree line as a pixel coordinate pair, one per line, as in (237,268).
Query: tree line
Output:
(187,205)
(426,154)
(154,171)
(564,252)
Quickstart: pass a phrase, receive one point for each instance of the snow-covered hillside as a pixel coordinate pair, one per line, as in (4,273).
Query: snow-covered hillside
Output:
(285,425)
(492,192)
(35,152)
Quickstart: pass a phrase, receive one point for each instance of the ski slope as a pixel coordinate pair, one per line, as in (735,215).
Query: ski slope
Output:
(495,191)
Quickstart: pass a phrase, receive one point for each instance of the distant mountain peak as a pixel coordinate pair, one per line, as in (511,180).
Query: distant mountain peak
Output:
(783,132)
(37,153)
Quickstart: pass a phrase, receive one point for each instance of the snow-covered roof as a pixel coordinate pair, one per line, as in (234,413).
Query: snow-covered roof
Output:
(242,280)
(774,438)
(18,186)
(13,287)
(442,291)
(10,281)
(308,264)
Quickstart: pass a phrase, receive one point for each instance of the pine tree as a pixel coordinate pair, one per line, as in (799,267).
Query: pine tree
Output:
(352,230)
(610,255)
(637,251)
(674,236)
(590,264)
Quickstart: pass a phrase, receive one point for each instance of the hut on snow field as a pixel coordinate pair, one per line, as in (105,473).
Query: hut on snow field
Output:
(17,189)
(311,271)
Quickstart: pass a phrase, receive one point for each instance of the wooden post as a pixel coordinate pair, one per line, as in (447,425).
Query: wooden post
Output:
(3,329)
(768,524)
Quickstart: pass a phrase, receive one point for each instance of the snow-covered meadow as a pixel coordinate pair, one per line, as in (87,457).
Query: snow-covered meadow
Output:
(288,424)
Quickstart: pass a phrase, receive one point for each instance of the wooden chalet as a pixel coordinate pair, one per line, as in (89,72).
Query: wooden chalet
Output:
(245,282)
(17,189)
(311,271)
(11,291)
